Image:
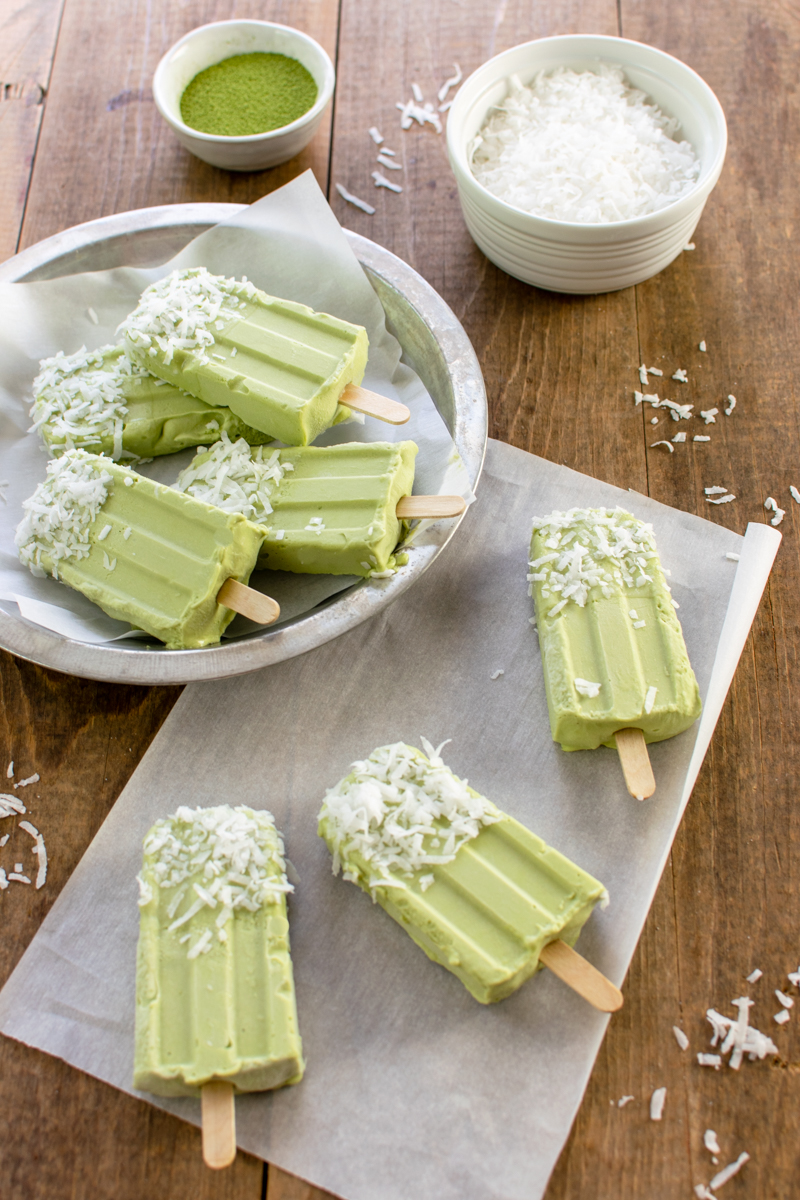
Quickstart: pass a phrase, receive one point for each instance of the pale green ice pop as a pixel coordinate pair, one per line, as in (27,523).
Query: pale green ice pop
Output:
(215,994)
(141,551)
(326,509)
(612,648)
(101,401)
(478,892)
(278,365)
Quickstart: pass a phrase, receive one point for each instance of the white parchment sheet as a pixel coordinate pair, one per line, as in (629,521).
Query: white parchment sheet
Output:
(412,1088)
(290,245)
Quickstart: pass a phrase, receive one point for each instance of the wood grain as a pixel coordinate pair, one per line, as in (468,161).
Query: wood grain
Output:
(282,1186)
(127,156)
(27,43)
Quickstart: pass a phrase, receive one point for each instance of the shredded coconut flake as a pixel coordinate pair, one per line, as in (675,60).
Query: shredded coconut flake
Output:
(731,405)
(710,1142)
(709,415)
(356,201)
(702,347)
(710,1060)
(755,975)
(399,813)
(235,477)
(453,81)
(382,181)
(657,1101)
(728,1172)
(623,1100)
(496,674)
(680,376)
(680,1037)
(721,499)
(669,446)
(375,134)
(582,146)
(781,1017)
(586,688)
(701,437)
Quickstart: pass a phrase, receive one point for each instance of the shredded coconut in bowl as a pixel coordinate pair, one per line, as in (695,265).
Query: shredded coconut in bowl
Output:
(584,146)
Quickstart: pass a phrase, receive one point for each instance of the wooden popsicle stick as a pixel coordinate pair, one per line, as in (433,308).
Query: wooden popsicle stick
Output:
(247,601)
(362,400)
(219,1124)
(412,508)
(635,760)
(581,976)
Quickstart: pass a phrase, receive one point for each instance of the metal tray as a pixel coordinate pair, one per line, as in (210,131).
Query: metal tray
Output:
(434,344)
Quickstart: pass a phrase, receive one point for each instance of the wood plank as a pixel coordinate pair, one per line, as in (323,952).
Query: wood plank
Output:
(27,42)
(282,1186)
(130,157)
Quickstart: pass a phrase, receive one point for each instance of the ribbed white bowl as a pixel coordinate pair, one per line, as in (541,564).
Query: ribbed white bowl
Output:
(566,256)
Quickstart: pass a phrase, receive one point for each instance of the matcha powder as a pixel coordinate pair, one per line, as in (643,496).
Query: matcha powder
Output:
(248,93)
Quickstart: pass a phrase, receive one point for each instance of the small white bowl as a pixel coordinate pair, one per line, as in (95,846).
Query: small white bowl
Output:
(210,44)
(566,256)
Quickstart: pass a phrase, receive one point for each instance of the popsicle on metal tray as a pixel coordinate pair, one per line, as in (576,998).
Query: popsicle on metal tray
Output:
(283,368)
(477,891)
(616,670)
(103,402)
(142,551)
(215,1000)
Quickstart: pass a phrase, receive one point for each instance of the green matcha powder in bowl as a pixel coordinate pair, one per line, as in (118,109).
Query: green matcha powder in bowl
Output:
(244,95)
(248,93)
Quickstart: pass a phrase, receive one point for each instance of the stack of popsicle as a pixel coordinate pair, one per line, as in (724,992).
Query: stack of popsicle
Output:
(209,359)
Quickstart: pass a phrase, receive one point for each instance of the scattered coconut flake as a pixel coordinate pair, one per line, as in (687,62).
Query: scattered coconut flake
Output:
(710,1142)
(716,490)
(582,146)
(739,1036)
(585,687)
(795,493)
(781,1017)
(104,532)
(654,420)
(649,699)
(26,782)
(710,1060)
(382,181)
(794,977)
(386,150)
(721,500)
(680,437)
(780,513)
(623,1100)
(655,371)
(453,81)
(10,805)
(387,162)
(731,405)
(417,90)
(639,624)
(702,347)
(680,1037)
(643,375)
(702,1192)
(10,770)
(352,199)
(375,134)
(399,812)
(678,412)
(109,563)
(681,376)
(755,975)
(701,437)
(496,674)
(17,876)
(422,114)
(728,1172)
(39,850)
(669,446)
(709,415)
(657,1100)
(689,246)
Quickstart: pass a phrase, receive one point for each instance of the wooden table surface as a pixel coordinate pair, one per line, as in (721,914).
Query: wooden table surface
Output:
(80,138)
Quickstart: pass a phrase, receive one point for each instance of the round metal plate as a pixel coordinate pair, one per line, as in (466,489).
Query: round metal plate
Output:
(434,344)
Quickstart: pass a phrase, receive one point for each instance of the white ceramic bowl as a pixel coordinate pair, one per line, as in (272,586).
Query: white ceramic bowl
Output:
(565,256)
(210,44)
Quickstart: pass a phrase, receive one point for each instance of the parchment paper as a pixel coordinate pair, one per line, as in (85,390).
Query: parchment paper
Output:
(412,1088)
(290,245)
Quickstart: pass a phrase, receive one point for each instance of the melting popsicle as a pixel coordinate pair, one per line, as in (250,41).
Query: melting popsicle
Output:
(215,1001)
(281,367)
(613,653)
(141,551)
(326,509)
(478,892)
(103,402)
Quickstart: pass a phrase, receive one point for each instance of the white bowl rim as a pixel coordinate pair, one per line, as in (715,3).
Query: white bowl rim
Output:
(464,174)
(325,91)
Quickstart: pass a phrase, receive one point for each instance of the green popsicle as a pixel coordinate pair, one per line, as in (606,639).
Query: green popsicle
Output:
(280,366)
(101,401)
(141,551)
(612,648)
(327,509)
(478,892)
(214,985)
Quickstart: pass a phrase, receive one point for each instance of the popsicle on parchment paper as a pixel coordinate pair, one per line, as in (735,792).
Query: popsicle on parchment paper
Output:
(616,670)
(215,1001)
(477,891)
(281,367)
(168,564)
